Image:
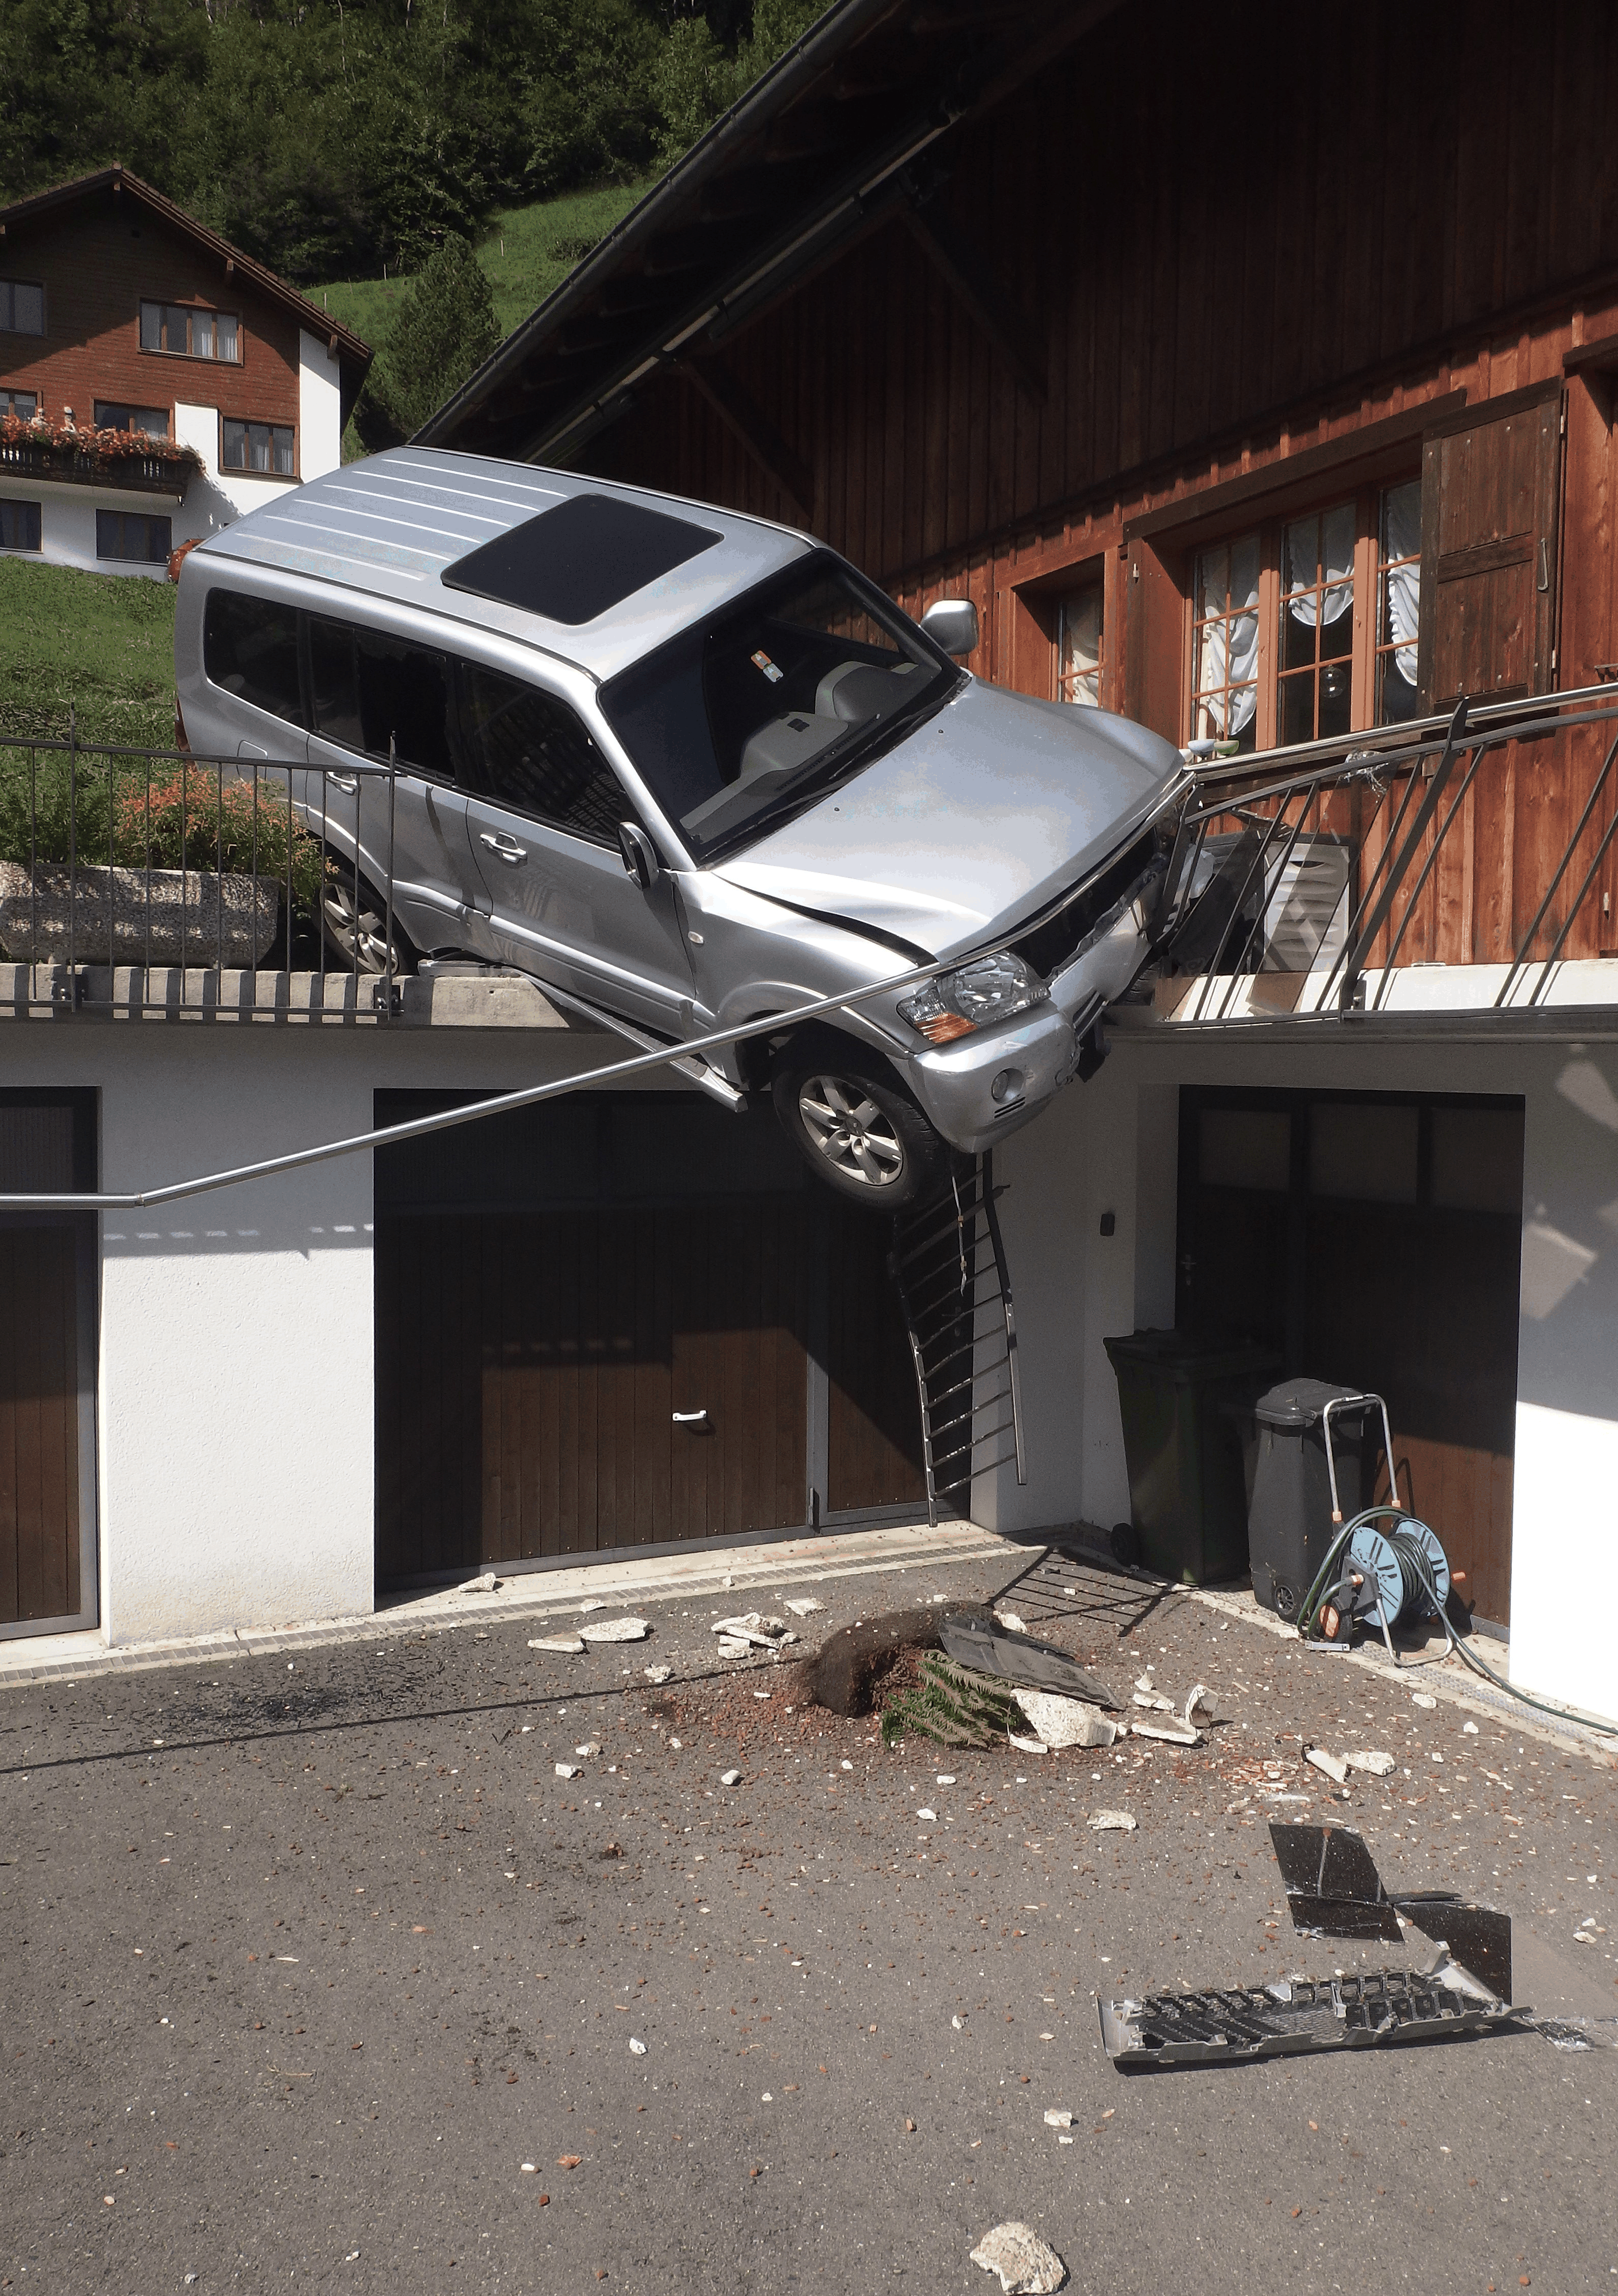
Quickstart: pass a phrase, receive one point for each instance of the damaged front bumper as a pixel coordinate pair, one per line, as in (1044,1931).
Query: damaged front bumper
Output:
(1298,2017)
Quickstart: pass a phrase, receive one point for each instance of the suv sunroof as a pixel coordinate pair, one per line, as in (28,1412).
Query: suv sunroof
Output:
(572,562)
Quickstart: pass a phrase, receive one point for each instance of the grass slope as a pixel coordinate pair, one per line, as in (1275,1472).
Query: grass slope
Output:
(526,252)
(101,644)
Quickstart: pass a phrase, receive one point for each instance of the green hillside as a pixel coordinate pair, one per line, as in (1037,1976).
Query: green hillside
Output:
(99,643)
(525,253)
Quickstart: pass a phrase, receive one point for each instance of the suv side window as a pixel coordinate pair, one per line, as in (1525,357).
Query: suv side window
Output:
(249,648)
(526,749)
(369,689)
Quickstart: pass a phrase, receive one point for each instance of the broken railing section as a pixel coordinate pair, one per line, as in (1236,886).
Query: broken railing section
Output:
(948,1263)
(1334,1889)
(142,875)
(1325,871)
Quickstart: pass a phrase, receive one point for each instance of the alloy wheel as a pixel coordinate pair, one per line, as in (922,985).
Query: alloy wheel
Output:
(856,1136)
(347,921)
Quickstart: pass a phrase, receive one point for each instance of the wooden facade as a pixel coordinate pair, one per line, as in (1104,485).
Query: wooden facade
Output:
(1242,272)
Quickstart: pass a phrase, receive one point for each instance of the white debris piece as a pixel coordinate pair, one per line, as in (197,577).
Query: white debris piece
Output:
(484,1584)
(958,2026)
(1375,1764)
(1102,1820)
(1010,1622)
(1027,2265)
(615,1630)
(732,1646)
(1058,2121)
(658,1673)
(1468,1729)
(753,1626)
(1153,1700)
(530,2168)
(637,2048)
(1197,1695)
(591,1747)
(1334,1765)
(944,1778)
(566,1770)
(1423,1698)
(593,1604)
(803,1604)
(1065,1721)
(927,1816)
(730,1777)
(570,1643)
(1177,1733)
(1026,1745)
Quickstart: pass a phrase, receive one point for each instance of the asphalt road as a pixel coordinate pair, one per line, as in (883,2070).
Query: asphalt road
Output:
(303,1960)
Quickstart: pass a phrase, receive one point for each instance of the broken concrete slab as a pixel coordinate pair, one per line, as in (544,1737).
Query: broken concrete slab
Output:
(1065,1721)
(1334,1766)
(568,1645)
(1375,1764)
(1103,1821)
(615,1630)
(1027,2265)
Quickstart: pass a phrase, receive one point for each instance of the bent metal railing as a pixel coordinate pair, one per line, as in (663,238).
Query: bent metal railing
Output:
(1476,841)
(135,878)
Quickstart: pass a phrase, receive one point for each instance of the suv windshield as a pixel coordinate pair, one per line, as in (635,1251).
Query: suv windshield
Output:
(736,726)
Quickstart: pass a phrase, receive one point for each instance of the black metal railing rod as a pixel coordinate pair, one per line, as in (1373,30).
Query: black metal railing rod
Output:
(1397,854)
(1577,904)
(1384,986)
(1256,929)
(1255,867)
(1011,1324)
(1389,846)
(1540,913)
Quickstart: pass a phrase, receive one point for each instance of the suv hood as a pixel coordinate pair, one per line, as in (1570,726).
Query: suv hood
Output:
(970,825)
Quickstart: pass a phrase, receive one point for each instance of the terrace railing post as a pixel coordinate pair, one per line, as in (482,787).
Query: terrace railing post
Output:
(1368,930)
(1527,941)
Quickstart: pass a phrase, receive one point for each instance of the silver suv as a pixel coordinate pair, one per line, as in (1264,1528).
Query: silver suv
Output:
(688,770)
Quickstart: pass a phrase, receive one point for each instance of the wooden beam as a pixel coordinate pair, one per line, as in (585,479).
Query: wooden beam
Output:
(968,279)
(746,420)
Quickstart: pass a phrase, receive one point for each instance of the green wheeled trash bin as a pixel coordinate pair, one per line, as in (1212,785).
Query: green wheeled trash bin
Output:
(1182,1447)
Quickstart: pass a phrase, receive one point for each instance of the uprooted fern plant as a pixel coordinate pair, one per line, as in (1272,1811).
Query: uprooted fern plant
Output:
(949,1705)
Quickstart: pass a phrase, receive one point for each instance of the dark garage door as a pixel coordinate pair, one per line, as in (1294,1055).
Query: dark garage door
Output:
(1375,1239)
(618,1321)
(47,1313)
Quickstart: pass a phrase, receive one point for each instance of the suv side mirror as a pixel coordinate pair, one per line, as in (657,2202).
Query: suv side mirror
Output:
(639,854)
(952,623)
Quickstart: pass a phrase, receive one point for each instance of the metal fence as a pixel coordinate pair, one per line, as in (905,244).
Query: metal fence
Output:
(1487,839)
(138,878)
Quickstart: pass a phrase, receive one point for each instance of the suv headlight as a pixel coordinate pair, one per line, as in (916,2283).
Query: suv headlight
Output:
(990,988)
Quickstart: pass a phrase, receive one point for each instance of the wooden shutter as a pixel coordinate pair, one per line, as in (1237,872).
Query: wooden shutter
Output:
(1490,488)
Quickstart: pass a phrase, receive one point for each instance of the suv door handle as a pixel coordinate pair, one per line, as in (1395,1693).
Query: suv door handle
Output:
(505,848)
(346,783)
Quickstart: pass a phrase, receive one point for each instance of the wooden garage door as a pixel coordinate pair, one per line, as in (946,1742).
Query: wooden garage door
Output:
(47,1574)
(689,1340)
(1374,1240)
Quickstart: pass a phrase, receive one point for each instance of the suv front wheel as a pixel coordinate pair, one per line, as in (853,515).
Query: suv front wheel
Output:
(861,1133)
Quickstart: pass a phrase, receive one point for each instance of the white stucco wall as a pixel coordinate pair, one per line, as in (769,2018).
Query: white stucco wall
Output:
(320,407)
(67,524)
(1112,1146)
(236,1468)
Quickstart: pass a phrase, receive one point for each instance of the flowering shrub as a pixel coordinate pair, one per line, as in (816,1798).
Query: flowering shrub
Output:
(48,815)
(195,819)
(100,446)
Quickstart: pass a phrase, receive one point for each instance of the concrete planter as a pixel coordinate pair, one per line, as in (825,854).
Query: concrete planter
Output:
(129,916)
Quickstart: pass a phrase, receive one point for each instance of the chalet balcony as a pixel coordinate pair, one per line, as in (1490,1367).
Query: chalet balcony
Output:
(133,466)
(1462,867)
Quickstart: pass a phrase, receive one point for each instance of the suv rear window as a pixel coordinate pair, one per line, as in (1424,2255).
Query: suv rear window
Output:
(574,562)
(249,648)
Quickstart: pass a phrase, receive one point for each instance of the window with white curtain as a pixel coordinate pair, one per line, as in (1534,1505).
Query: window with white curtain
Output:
(1079,646)
(1398,601)
(1317,624)
(1226,695)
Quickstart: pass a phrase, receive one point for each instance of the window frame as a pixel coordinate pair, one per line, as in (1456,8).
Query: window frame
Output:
(98,405)
(32,334)
(1269,526)
(118,558)
(24,549)
(245,470)
(198,359)
(10,392)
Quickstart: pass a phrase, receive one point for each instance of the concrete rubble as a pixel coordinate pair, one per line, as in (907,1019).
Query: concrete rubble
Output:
(1027,2265)
(614,1630)
(570,1645)
(1060,1721)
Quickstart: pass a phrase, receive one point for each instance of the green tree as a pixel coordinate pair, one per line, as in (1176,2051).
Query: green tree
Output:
(697,77)
(445,329)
